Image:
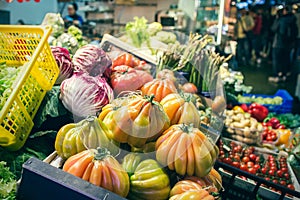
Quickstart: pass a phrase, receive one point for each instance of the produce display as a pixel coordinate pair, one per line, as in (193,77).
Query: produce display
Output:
(144,131)
(8,183)
(242,127)
(277,100)
(273,168)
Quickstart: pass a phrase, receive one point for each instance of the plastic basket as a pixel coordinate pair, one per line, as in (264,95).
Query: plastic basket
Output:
(25,46)
(285,107)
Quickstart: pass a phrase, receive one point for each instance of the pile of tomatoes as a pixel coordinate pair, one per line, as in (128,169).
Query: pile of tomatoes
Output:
(269,135)
(269,167)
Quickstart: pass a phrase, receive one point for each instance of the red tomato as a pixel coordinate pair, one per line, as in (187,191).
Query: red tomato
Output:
(236,164)
(273,168)
(284,169)
(291,186)
(282,182)
(264,170)
(271,172)
(252,171)
(274,137)
(227,160)
(190,88)
(279,173)
(287,176)
(256,166)
(243,167)
(267,178)
(236,157)
(222,152)
(252,157)
(250,164)
(275,181)
(246,159)
(257,160)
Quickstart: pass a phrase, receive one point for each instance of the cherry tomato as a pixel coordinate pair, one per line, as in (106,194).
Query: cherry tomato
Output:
(227,160)
(291,186)
(256,166)
(252,157)
(246,159)
(222,152)
(287,176)
(271,172)
(273,168)
(236,158)
(250,164)
(275,181)
(267,178)
(269,138)
(279,173)
(251,148)
(274,137)
(284,169)
(240,148)
(282,182)
(257,160)
(264,170)
(236,164)
(252,170)
(243,167)
(271,157)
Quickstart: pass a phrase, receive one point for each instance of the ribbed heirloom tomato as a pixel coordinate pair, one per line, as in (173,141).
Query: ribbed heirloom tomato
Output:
(180,109)
(99,168)
(137,121)
(88,133)
(159,88)
(186,150)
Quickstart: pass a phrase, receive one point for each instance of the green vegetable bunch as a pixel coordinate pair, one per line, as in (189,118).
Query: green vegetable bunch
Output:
(8,184)
(137,31)
(7,77)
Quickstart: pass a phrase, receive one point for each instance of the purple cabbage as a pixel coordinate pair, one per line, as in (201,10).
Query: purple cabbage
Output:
(64,62)
(91,59)
(85,95)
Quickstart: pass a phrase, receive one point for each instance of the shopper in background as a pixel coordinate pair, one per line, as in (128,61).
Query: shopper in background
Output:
(290,31)
(257,38)
(73,18)
(297,47)
(284,28)
(243,33)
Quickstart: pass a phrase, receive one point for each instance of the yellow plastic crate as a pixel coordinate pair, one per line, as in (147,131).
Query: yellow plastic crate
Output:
(25,46)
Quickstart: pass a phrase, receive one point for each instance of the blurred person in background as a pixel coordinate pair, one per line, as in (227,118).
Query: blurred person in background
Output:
(243,32)
(285,30)
(296,54)
(73,18)
(257,34)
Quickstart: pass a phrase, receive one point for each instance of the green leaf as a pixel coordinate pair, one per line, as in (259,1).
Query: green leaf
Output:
(51,107)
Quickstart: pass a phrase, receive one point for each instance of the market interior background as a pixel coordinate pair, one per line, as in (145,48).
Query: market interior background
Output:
(110,16)
(105,17)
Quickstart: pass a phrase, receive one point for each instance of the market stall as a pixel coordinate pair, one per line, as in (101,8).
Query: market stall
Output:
(142,115)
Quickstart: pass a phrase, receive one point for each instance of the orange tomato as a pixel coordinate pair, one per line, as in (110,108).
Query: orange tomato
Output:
(159,88)
(186,150)
(99,168)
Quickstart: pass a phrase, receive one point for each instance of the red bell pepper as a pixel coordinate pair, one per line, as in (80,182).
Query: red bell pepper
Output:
(244,107)
(258,111)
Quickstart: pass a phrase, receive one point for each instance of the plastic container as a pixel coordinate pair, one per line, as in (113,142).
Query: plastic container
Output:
(25,46)
(285,107)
